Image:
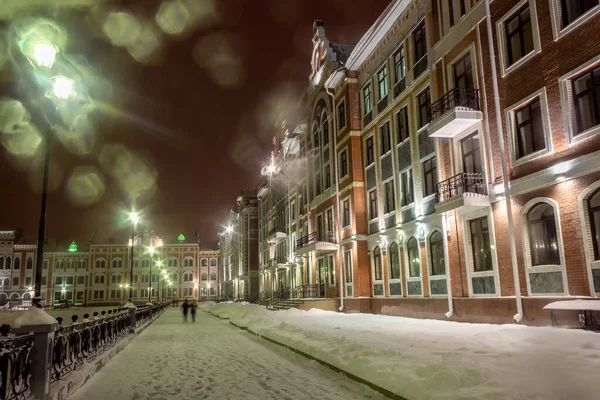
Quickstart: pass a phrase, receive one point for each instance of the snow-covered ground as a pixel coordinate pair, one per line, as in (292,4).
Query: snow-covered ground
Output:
(429,359)
(211,359)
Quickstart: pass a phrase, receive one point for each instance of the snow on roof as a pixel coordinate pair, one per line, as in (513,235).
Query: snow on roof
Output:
(574,305)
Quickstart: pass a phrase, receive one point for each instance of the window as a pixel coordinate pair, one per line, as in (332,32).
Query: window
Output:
(28,281)
(116,278)
(213,276)
(81,280)
(319,190)
(529,129)
(117,263)
(377,264)
(325,123)
(399,65)
(327,176)
(344,163)
(394,261)
(348,265)
(408,195)
(204,276)
(463,73)
(29,263)
(188,277)
(420,46)
(172,262)
(45,264)
(44,280)
(70,280)
(203,292)
(386,144)
(99,279)
(213,262)
(414,259)
(373,204)
(519,35)
(594,218)
(429,177)
(15,279)
(17,264)
(390,198)
(174,277)
(382,82)
(145,263)
(586,99)
(370,156)
(100,263)
(424,102)
(451,11)
(480,245)
(436,252)
(403,127)
(367,99)
(58,280)
(188,262)
(346,213)
(115,294)
(543,238)
(570,10)
(98,294)
(341,114)
(188,291)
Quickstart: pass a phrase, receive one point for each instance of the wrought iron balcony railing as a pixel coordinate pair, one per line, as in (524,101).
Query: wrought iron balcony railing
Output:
(460,184)
(319,236)
(457,97)
(276,229)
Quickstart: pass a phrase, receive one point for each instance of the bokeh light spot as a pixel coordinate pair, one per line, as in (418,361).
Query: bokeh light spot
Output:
(85,186)
(173,17)
(23,140)
(12,114)
(219,55)
(121,28)
(146,46)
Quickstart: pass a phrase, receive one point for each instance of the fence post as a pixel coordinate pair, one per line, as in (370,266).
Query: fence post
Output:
(41,355)
(132,319)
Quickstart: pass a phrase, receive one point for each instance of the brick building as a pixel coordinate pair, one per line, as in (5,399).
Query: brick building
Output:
(99,273)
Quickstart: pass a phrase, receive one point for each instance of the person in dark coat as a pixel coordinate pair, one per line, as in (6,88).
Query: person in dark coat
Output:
(185,306)
(193,307)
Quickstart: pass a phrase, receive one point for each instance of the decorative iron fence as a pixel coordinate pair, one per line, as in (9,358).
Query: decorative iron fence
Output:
(463,183)
(15,362)
(318,236)
(292,296)
(457,97)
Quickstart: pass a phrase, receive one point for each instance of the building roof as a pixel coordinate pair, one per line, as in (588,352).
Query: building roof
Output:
(342,51)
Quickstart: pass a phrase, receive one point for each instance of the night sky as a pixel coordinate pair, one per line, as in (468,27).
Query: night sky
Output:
(201,130)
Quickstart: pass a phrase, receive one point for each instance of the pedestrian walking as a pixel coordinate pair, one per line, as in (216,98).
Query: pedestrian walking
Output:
(185,306)
(193,307)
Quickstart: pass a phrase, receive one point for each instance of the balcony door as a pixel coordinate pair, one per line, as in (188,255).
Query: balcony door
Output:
(463,73)
(319,224)
(472,164)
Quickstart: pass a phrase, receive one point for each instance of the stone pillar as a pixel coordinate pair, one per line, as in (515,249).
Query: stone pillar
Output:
(41,356)
(132,320)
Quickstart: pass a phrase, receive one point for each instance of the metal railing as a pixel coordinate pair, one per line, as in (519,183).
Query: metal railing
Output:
(288,297)
(319,236)
(459,184)
(457,97)
(276,229)
(15,362)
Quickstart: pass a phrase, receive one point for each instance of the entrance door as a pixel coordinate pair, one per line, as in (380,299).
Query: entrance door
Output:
(322,277)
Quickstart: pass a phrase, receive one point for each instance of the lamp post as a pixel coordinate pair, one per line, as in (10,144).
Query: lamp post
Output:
(158,264)
(134,218)
(151,251)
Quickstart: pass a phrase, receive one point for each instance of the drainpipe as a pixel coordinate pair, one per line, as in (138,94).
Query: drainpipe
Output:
(337,194)
(511,229)
(450,312)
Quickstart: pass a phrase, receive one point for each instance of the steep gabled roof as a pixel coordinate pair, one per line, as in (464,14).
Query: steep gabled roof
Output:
(342,51)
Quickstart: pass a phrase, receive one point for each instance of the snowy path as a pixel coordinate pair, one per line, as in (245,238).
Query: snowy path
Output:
(213,359)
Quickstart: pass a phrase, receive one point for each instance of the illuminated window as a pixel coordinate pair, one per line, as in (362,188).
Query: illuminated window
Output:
(367,99)
(436,252)
(386,142)
(480,245)
(390,198)
(213,276)
(377,270)
(394,261)
(543,237)
(204,276)
(382,82)
(414,259)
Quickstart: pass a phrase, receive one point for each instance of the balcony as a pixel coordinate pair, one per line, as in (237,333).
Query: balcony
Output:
(465,192)
(455,112)
(276,235)
(322,242)
(279,261)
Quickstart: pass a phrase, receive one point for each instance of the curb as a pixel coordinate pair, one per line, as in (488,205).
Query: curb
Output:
(355,378)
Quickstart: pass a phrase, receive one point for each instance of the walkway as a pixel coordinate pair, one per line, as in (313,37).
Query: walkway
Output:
(213,359)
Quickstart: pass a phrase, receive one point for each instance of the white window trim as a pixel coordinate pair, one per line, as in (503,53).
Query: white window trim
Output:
(511,119)
(387,78)
(432,195)
(382,280)
(407,269)
(389,271)
(384,201)
(525,243)
(397,109)
(430,264)
(362,100)
(371,218)
(450,67)
(401,44)
(347,176)
(586,229)
(445,14)
(564,83)
(555,12)
(485,212)
(380,124)
(537,47)
(346,284)
(349,198)
(329,228)
(337,115)
(415,114)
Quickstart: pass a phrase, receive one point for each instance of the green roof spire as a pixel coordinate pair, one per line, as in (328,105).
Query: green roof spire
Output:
(181,238)
(73,247)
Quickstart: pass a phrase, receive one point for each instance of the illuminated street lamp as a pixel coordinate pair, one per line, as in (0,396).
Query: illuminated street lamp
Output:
(134,218)
(44,54)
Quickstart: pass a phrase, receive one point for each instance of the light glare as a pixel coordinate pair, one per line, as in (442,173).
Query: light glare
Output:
(63,87)
(44,54)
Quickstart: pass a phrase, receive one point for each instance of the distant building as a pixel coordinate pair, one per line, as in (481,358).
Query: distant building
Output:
(99,273)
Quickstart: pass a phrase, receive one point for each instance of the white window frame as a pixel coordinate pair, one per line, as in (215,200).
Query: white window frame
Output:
(371,218)
(450,67)
(415,114)
(389,270)
(568,107)
(511,120)
(349,198)
(428,197)
(382,280)
(397,109)
(407,269)
(384,201)
(362,100)
(341,128)
(346,284)
(390,125)
(525,243)
(385,67)
(485,212)
(537,47)
(99,260)
(431,277)
(555,12)
(587,232)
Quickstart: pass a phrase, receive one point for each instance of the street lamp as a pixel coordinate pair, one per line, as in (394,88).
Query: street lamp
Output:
(158,264)
(44,54)
(134,218)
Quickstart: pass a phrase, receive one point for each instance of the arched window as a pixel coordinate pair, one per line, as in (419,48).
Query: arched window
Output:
(325,125)
(414,260)
(188,262)
(1,262)
(436,252)
(172,262)
(145,278)
(99,279)
(116,278)
(394,261)
(213,276)
(14,296)
(377,264)
(174,277)
(213,262)
(154,277)
(29,263)
(543,237)
(145,263)
(17,263)
(204,262)
(188,276)
(204,277)
(100,263)
(594,218)
(7,264)
(118,263)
